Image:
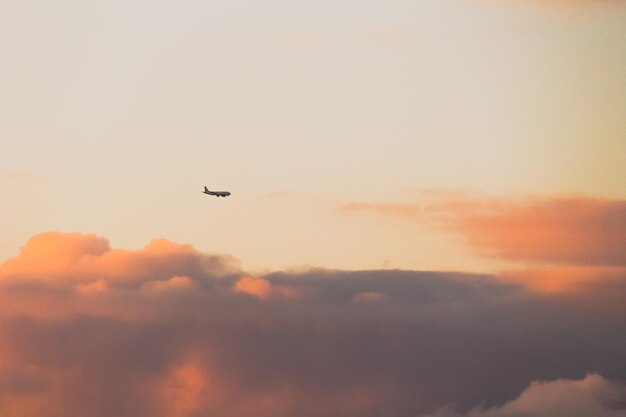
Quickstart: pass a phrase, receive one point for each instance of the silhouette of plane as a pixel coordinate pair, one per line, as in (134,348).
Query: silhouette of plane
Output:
(216,193)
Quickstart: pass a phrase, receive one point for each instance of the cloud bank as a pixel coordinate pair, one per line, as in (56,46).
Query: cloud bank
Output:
(167,331)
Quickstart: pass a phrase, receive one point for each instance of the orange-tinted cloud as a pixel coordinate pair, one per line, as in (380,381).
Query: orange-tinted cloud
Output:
(552,230)
(80,273)
(85,258)
(566,279)
(262,288)
(369,297)
(254,286)
(575,231)
(167,331)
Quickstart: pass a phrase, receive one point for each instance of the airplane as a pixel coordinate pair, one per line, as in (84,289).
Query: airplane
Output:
(216,193)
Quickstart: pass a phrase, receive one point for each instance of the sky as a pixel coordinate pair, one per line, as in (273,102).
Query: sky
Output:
(428,209)
(116,114)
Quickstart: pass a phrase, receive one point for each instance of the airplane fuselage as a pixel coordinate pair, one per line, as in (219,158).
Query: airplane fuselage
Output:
(216,193)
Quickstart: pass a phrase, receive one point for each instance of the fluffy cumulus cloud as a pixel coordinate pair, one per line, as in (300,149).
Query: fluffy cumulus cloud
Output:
(85,258)
(167,331)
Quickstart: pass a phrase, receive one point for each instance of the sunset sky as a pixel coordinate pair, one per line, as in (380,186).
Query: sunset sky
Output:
(407,177)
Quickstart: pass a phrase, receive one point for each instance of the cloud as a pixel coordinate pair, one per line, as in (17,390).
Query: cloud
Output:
(79,257)
(567,279)
(588,397)
(369,297)
(167,331)
(166,286)
(263,288)
(579,231)
(551,230)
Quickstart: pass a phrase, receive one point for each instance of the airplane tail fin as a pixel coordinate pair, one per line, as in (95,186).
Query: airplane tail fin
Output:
(206,190)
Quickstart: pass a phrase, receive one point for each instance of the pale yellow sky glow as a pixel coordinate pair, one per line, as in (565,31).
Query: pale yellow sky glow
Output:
(114,115)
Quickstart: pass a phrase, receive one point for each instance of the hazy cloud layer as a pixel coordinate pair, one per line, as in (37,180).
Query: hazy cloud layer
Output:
(166,331)
(553,230)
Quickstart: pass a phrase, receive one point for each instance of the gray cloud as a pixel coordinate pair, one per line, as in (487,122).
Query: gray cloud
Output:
(588,397)
(167,331)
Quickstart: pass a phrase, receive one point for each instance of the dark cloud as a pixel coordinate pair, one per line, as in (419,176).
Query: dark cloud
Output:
(21,382)
(166,331)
